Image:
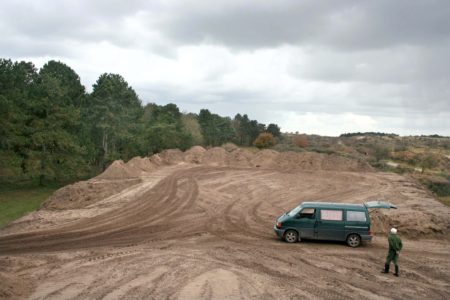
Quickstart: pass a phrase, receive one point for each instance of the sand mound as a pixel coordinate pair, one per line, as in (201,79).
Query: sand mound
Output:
(234,157)
(84,193)
(143,164)
(119,170)
(264,158)
(156,160)
(172,156)
(410,223)
(194,155)
(240,158)
(216,156)
(294,161)
(230,147)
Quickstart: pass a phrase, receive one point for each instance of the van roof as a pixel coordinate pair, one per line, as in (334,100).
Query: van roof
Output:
(333,205)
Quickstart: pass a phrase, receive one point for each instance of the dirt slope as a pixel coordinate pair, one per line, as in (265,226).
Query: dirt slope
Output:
(197,228)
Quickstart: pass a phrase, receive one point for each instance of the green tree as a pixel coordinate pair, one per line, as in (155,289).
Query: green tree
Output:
(191,125)
(216,130)
(274,130)
(112,110)
(246,130)
(240,125)
(163,129)
(69,82)
(17,80)
(54,151)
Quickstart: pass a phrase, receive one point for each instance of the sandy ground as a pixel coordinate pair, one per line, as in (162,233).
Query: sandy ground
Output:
(190,231)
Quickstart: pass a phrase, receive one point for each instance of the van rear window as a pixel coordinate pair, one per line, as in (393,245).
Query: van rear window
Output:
(358,216)
(331,215)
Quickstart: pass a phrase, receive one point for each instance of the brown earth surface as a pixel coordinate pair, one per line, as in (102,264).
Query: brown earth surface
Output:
(199,225)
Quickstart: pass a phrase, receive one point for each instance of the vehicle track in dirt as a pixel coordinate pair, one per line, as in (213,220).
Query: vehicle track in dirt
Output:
(206,232)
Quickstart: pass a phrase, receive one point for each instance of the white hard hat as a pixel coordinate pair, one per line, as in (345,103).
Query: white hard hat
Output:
(393,231)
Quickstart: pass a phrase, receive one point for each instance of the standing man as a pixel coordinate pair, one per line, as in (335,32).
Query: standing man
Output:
(395,245)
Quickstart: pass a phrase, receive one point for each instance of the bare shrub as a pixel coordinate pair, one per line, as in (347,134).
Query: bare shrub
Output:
(301,141)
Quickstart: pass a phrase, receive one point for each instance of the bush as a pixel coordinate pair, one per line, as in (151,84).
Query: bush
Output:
(301,141)
(380,152)
(264,140)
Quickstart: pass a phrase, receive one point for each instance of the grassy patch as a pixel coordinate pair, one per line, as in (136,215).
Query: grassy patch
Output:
(445,200)
(15,203)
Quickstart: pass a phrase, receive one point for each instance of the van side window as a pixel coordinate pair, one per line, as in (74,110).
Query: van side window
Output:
(359,216)
(308,213)
(331,215)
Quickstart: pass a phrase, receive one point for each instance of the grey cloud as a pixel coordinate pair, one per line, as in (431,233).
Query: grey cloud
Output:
(61,21)
(346,24)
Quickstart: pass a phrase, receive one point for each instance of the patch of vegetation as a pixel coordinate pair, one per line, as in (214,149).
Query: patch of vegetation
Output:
(441,189)
(434,136)
(287,147)
(15,203)
(323,150)
(445,200)
(439,186)
(368,134)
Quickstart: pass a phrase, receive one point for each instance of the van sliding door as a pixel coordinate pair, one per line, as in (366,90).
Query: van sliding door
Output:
(331,225)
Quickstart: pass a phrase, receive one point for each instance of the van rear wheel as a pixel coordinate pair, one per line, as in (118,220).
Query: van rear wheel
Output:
(291,236)
(353,240)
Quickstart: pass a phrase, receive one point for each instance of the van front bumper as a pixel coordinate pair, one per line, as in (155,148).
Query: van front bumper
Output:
(279,232)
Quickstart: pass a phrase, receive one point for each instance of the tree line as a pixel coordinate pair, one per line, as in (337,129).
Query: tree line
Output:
(51,129)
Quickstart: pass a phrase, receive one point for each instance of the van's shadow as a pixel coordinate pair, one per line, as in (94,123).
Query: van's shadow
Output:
(311,242)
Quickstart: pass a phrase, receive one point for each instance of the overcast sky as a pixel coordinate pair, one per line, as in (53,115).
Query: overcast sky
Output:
(317,67)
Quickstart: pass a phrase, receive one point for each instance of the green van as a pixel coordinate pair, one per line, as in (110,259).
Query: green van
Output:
(328,221)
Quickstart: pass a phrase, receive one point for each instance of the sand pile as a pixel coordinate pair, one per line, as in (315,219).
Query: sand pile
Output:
(236,157)
(119,170)
(216,156)
(229,147)
(296,161)
(240,158)
(194,155)
(410,223)
(140,163)
(172,156)
(415,224)
(84,193)
(156,160)
(264,158)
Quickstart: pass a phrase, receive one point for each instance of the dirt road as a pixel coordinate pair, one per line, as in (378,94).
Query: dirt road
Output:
(190,232)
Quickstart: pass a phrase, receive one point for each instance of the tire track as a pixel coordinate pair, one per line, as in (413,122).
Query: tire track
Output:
(117,227)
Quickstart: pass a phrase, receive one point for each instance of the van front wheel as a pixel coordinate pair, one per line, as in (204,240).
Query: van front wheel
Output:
(291,236)
(353,240)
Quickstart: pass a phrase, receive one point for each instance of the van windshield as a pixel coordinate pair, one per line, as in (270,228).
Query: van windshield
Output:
(295,211)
